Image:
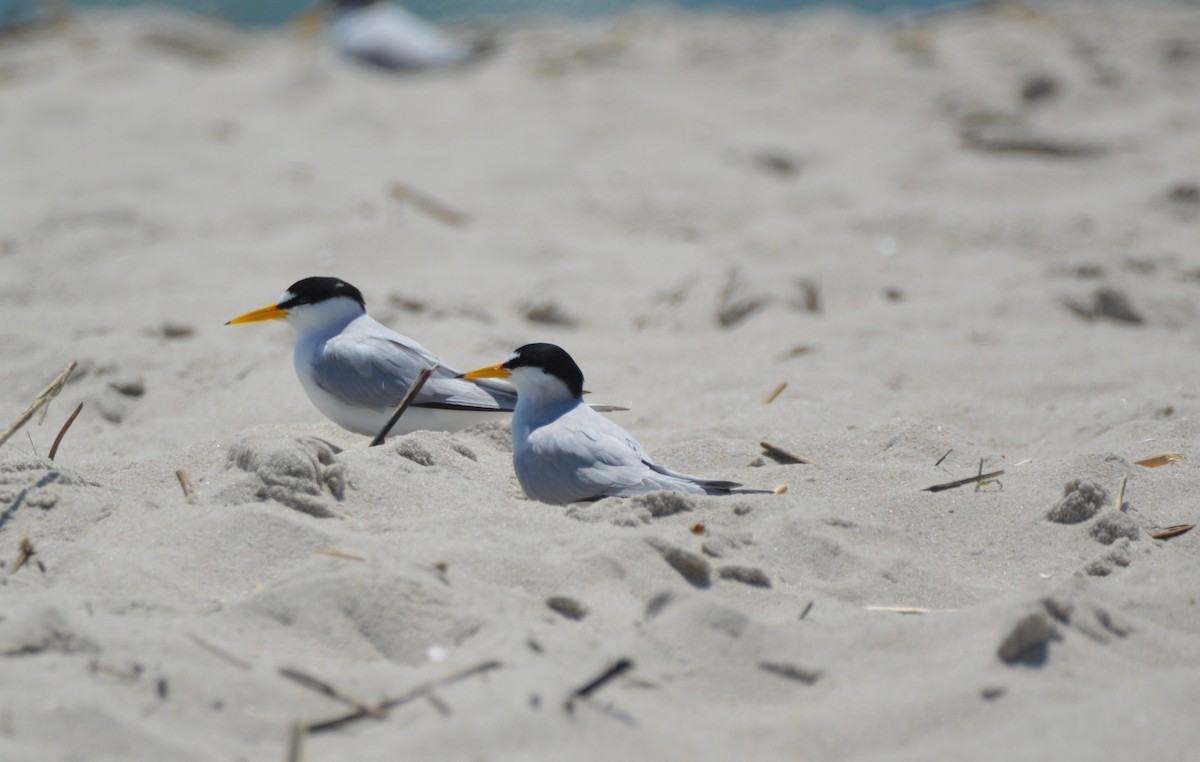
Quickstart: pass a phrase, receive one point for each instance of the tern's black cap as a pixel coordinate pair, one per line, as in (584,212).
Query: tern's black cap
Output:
(553,360)
(318,289)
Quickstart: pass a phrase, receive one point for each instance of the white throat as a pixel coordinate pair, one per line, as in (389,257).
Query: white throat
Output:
(538,390)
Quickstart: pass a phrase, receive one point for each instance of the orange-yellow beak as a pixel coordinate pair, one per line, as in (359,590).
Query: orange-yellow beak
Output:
(491,371)
(270,312)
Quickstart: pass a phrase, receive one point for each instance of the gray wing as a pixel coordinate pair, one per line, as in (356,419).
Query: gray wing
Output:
(376,372)
(585,456)
(620,466)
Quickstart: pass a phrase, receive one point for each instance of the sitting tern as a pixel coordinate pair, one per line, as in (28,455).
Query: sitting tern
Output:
(563,450)
(356,370)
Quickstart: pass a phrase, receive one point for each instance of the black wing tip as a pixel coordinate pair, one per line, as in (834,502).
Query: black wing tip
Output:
(463,407)
(717,484)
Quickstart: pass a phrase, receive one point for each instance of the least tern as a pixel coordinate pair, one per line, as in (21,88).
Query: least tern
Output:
(564,451)
(385,34)
(356,370)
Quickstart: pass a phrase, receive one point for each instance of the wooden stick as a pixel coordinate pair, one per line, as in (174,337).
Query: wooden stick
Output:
(41,400)
(339,554)
(219,652)
(775,393)
(325,689)
(421,691)
(1175,531)
(63,430)
(24,553)
(295,743)
(1159,459)
(182,475)
(409,396)
(961,482)
(1121,493)
(618,668)
(909,610)
(429,205)
(780,454)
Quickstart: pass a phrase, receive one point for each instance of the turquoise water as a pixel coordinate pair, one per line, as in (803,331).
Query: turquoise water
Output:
(260,12)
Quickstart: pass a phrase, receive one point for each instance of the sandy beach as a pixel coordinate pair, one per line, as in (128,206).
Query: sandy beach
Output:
(966,242)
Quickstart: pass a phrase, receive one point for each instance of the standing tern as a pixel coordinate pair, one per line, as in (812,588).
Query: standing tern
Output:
(356,370)
(563,450)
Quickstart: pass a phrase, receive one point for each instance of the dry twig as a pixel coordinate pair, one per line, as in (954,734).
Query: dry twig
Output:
(339,554)
(1175,531)
(24,553)
(325,689)
(778,453)
(295,745)
(409,396)
(618,668)
(182,475)
(961,482)
(41,400)
(431,206)
(1121,493)
(909,610)
(421,691)
(62,432)
(1158,459)
(219,652)
(775,393)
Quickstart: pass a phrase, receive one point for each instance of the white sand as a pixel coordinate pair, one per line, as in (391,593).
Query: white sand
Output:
(615,170)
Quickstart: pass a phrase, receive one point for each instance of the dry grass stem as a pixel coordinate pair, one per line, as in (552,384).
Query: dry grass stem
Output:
(775,393)
(219,652)
(1175,531)
(1158,459)
(441,706)
(185,482)
(909,610)
(421,691)
(339,554)
(429,205)
(778,453)
(325,689)
(62,432)
(24,553)
(1121,493)
(961,482)
(41,400)
(618,668)
(409,396)
(295,743)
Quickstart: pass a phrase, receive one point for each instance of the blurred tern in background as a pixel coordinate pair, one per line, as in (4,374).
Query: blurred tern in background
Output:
(387,35)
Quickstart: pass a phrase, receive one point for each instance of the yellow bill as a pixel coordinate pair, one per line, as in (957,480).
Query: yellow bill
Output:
(491,371)
(270,312)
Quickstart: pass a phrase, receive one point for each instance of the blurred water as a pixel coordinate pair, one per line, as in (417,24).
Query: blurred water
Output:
(268,12)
